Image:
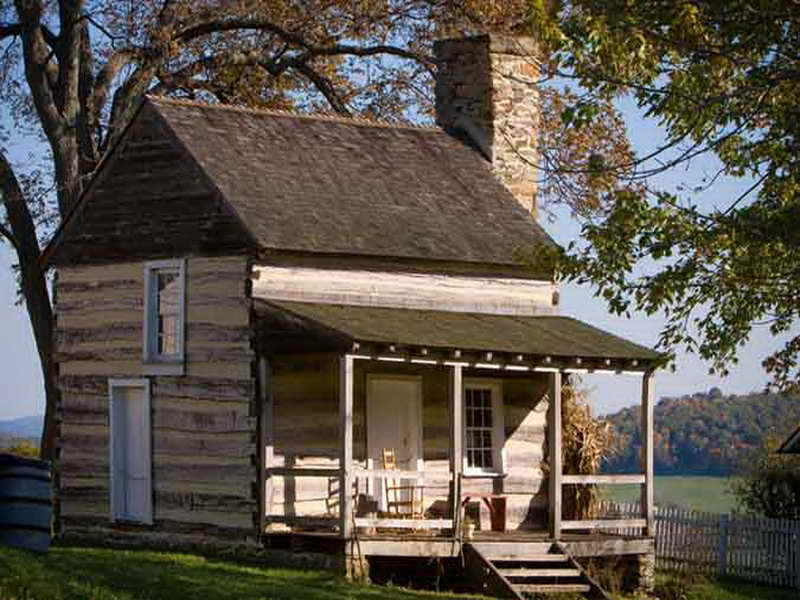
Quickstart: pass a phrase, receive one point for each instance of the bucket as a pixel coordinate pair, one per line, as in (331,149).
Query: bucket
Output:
(26,503)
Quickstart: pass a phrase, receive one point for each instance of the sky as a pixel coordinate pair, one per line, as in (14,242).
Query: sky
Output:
(21,390)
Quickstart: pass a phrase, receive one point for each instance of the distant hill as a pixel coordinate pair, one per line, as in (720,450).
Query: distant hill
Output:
(705,433)
(23,427)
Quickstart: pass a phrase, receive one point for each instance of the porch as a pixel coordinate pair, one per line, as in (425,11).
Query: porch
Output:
(522,354)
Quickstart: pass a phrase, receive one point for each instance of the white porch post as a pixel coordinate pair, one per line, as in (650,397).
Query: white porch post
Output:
(266,441)
(648,492)
(456,441)
(346,446)
(556,459)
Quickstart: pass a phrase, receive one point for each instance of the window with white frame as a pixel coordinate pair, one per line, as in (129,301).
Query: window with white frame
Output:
(483,427)
(164,312)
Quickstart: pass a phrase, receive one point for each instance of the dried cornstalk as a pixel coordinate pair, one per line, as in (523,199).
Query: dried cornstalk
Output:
(587,442)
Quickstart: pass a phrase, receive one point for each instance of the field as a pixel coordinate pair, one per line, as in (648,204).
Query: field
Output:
(708,494)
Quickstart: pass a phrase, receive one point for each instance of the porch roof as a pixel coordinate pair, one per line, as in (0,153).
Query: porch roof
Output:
(564,341)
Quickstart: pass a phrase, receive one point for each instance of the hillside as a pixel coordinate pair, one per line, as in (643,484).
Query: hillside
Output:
(705,433)
(22,427)
(27,429)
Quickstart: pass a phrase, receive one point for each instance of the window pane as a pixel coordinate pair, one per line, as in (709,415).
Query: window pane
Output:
(478,428)
(168,311)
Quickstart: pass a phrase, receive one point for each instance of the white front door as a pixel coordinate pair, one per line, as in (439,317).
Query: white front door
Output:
(131,489)
(394,420)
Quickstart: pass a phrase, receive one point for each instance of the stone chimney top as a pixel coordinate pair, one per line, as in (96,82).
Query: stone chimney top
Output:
(486,87)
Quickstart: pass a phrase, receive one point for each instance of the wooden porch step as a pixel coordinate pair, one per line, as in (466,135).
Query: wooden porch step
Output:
(553,588)
(537,558)
(527,572)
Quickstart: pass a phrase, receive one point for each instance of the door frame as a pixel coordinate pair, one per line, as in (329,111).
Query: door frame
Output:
(371,377)
(144,385)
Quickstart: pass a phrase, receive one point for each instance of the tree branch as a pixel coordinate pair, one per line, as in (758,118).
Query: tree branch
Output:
(218,26)
(37,54)
(6,233)
(10,29)
(323,84)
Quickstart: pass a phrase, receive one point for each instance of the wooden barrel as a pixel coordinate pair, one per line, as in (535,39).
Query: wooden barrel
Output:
(26,503)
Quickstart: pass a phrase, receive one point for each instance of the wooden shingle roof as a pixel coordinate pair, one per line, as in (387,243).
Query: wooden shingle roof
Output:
(561,338)
(355,187)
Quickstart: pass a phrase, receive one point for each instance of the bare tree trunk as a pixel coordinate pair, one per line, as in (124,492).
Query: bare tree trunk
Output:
(33,284)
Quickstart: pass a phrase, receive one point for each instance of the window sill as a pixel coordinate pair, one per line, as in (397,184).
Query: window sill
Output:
(152,367)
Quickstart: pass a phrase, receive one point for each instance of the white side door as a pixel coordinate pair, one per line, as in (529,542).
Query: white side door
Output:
(394,420)
(131,482)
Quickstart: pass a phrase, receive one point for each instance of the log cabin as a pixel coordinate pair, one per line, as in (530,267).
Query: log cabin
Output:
(324,336)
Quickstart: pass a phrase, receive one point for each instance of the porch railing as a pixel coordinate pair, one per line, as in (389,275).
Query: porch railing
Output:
(629,520)
(334,517)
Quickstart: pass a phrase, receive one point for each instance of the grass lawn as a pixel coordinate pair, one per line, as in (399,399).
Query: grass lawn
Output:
(71,573)
(708,494)
(726,589)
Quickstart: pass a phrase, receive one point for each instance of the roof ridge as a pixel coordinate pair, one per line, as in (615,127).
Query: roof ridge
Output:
(275,112)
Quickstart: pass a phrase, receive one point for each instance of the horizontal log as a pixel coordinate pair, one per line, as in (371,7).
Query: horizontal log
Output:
(218,445)
(604,524)
(77,507)
(130,368)
(92,494)
(114,351)
(136,303)
(405,290)
(405,523)
(98,273)
(179,469)
(69,339)
(602,479)
(217,388)
(299,520)
(196,411)
(66,289)
(201,389)
(195,501)
(88,318)
(161,526)
(302,472)
(189,471)
(220,519)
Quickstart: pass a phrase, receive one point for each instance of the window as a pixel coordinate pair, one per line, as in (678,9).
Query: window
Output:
(483,427)
(131,481)
(164,317)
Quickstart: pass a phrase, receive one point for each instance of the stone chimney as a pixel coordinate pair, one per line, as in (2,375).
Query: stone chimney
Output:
(486,87)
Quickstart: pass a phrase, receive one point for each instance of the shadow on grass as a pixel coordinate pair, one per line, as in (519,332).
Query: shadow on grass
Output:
(736,589)
(103,574)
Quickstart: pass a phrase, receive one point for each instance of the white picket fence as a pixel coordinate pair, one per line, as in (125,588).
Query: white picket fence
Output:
(760,550)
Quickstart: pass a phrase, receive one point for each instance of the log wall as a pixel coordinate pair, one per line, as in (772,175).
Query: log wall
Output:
(203,423)
(306,429)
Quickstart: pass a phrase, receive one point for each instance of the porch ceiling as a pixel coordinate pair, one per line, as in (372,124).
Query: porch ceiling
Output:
(503,338)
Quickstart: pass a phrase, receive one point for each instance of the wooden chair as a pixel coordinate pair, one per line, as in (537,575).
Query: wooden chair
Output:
(402,499)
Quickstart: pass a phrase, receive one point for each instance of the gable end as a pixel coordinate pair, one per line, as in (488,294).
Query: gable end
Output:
(150,199)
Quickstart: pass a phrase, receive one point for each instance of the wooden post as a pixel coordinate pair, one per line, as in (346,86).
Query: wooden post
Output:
(648,491)
(456,442)
(556,458)
(266,428)
(796,541)
(346,449)
(722,545)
